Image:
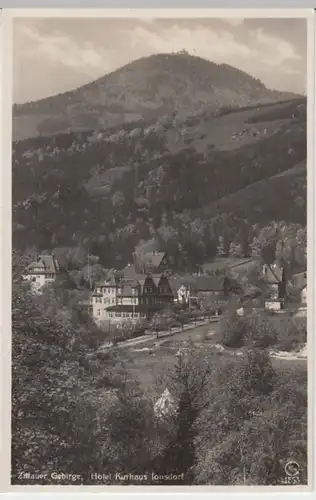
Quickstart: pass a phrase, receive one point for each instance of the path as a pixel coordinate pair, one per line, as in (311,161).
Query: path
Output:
(150,337)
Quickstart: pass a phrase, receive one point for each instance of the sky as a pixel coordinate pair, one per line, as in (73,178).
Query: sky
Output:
(53,55)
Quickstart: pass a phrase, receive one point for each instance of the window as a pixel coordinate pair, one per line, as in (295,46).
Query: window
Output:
(98,312)
(113,301)
(118,315)
(148,289)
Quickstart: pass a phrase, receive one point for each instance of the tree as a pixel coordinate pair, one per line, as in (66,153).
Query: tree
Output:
(54,417)
(243,392)
(264,245)
(161,321)
(118,199)
(283,242)
(226,229)
(260,331)
(233,329)
(188,384)
(183,318)
(258,374)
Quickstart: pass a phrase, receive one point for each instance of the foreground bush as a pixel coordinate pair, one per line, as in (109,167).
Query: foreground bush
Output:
(233,330)
(291,334)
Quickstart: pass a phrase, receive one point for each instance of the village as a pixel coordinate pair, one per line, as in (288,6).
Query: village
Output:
(147,296)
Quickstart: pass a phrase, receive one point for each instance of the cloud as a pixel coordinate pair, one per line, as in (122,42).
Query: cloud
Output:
(233,21)
(275,51)
(212,45)
(80,50)
(61,48)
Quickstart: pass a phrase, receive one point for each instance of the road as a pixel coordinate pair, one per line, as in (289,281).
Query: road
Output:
(162,335)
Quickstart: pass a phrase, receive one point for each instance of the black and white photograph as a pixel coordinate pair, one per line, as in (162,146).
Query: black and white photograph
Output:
(159,251)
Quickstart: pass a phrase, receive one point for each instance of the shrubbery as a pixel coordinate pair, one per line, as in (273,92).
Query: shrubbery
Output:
(233,329)
(291,334)
(262,331)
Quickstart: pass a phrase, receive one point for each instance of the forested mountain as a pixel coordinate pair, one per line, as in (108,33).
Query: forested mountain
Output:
(144,89)
(187,181)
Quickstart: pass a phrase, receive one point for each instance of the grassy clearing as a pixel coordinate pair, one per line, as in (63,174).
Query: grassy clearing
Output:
(149,363)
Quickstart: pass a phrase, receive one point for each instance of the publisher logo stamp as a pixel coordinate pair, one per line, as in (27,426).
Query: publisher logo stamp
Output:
(292,469)
(292,473)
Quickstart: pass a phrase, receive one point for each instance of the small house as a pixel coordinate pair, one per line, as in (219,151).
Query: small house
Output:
(43,271)
(213,290)
(152,262)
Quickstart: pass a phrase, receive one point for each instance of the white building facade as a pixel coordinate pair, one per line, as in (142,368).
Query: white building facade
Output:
(119,300)
(42,272)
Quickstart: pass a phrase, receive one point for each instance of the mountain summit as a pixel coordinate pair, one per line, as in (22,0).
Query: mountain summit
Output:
(144,89)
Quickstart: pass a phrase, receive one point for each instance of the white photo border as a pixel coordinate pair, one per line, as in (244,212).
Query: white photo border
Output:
(7,15)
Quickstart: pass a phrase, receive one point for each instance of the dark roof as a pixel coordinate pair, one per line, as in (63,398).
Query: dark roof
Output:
(272,274)
(45,263)
(198,283)
(129,271)
(149,259)
(156,278)
(208,283)
(128,283)
(300,280)
(222,263)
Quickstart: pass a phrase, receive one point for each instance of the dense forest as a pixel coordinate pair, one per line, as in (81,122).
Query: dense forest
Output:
(166,181)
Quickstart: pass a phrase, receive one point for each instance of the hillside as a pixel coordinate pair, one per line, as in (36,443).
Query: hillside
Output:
(169,179)
(143,90)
